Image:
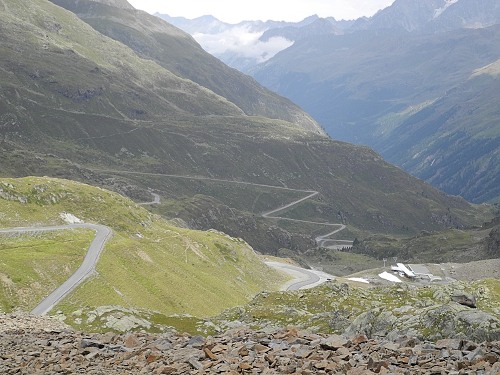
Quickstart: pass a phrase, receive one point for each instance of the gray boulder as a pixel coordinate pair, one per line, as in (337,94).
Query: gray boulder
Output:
(464,299)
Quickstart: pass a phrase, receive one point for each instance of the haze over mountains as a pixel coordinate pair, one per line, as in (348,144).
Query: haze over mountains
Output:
(415,82)
(84,95)
(248,43)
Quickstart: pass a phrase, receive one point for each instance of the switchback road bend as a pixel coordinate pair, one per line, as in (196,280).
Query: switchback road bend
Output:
(322,240)
(87,267)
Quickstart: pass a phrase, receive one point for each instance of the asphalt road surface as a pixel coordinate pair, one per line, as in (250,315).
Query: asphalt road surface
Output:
(302,278)
(322,240)
(156,199)
(87,267)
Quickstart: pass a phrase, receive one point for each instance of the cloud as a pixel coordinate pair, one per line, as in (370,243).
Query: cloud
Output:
(242,41)
(289,10)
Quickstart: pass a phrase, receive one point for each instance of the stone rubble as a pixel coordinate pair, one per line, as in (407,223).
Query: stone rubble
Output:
(35,345)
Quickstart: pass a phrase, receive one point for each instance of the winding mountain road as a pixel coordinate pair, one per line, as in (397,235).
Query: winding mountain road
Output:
(87,267)
(156,200)
(321,240)
(302,278)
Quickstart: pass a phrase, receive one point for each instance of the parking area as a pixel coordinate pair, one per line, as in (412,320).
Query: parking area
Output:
(419,269)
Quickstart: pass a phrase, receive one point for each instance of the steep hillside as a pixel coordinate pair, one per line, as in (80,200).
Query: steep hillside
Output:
(361,86)
(124,4)
(80,105)
(426,16)
(399,82)
(148,264)
(154,39)
(453,142)
(65,65)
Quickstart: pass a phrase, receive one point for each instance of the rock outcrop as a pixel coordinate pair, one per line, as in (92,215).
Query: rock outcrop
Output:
(464,299)
(434,323)
(31,345)
(427,312)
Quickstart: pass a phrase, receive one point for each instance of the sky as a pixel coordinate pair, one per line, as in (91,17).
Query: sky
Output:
(232,11)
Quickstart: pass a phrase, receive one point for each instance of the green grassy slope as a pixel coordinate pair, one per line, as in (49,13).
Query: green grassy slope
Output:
(33,264)
(154,39)
(64,64)
(148,264)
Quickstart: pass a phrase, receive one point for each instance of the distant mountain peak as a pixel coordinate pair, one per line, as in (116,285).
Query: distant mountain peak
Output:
(311,18)
(207,17)
(430,16)
(447,4)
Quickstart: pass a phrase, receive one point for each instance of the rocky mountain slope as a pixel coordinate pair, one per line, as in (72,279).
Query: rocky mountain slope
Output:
(406,82)
(29,345)
(390,106)
(401,81)
(77,103)
(452,142)
(443,246)
(103,111)
(427,311)
(433,16)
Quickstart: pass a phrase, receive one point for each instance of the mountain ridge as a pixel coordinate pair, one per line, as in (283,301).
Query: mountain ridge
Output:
(154,39)
(366,80)
(76,104)
(431,16)
(372,91)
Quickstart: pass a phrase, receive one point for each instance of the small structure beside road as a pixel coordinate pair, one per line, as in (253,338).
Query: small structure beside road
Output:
(403,270)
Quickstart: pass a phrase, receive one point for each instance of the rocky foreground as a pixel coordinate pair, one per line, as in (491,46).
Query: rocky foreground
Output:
(34,345)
